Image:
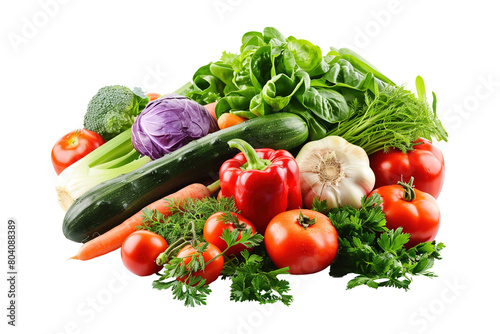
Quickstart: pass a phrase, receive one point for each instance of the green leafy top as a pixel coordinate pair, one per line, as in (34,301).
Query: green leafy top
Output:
(249,281)
(274,73)
(254,277)
(176,225)
(376,254)
(392,119)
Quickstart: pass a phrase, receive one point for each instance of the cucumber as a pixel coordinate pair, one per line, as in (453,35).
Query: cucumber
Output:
(110,203)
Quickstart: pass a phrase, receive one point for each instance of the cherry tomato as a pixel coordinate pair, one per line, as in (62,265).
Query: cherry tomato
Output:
(415,211)
(74,146)
(212,269)
(152,96)
(425,164)
(214,226)
(303,240)
(139,252)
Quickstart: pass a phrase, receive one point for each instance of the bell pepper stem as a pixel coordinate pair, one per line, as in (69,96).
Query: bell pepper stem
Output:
(253,160)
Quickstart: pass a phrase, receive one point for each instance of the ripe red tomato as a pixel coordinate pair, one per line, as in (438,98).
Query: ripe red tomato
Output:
(74,146)
(418,213)
(425,164)
(214,226)
(139,252)
(212,269)
(304,249)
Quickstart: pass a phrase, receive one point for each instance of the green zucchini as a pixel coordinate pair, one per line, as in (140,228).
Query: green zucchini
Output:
(110,203)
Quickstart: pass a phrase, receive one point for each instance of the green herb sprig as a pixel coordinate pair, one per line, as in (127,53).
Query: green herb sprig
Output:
(392,119)
(192,290)
(254,277)
(177,225)
(374,253)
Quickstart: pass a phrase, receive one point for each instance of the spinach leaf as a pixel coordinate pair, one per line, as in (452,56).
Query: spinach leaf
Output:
(363,65)
(327,104)
(316,129)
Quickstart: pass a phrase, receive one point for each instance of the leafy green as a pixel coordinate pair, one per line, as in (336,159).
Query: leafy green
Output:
(177,225)
(194,293)
(374,253)
(393,118)
(273,73)
(328,105)
(331,92)
(254,277)
(250,282)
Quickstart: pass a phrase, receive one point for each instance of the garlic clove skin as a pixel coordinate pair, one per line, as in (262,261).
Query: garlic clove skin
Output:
(334,170)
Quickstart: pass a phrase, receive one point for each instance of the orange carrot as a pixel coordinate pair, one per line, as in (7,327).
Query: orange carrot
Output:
(211,109)
(226,120)
(153,96)
(114,238)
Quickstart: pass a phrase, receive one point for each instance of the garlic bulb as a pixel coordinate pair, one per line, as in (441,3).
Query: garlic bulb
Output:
(334,170)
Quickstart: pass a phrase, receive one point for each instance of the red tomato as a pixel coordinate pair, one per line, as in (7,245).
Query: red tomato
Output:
(74,146)
(419,215)
(425,164)
(304,249)
(152,96)
(214,226)
(212,269)
(140,250)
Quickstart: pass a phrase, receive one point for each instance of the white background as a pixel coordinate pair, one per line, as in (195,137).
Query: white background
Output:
(57,54)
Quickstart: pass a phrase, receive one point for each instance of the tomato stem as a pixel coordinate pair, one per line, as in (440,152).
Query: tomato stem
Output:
(409,192)
(305,221)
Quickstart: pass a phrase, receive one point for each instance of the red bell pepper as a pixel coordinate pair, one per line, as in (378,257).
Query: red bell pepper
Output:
(263,182)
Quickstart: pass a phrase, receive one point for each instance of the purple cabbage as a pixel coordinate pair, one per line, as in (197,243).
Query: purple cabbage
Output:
(169,123)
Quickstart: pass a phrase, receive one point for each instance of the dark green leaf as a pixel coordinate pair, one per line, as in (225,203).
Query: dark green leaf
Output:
(327,104)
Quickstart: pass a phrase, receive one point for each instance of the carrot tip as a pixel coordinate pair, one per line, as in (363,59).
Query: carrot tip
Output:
(73,258)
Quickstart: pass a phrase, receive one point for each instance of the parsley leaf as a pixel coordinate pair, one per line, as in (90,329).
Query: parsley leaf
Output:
(376,254)
(191,294)
(250,283)
(177,225)
(250,280)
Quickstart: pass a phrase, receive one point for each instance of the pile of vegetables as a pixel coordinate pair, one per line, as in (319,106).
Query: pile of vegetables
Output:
(275,160)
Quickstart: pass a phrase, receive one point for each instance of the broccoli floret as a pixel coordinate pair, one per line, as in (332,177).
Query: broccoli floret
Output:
(112,110)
